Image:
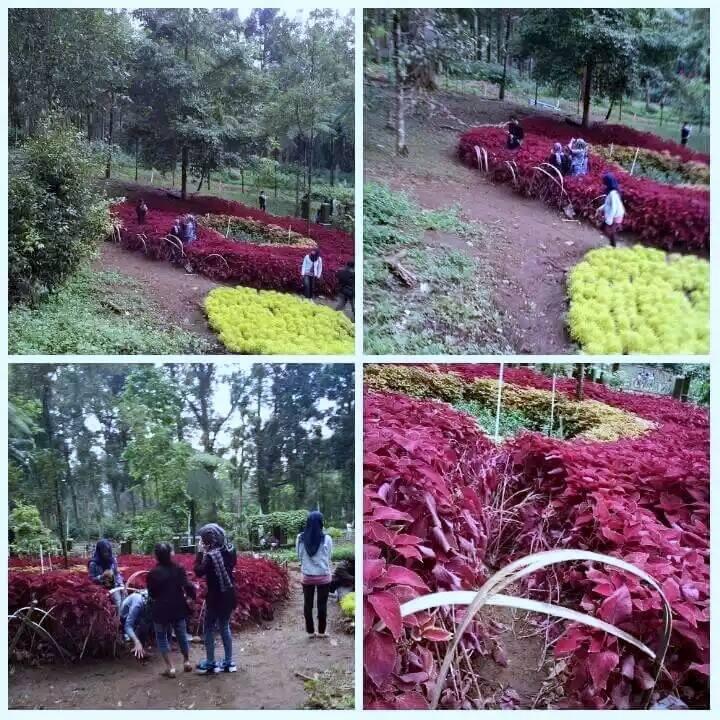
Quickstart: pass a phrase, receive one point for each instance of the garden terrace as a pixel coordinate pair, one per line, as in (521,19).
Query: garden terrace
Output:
(670,217)
(444,506)
(270,267)
(254,232)
(83,621)
(584,420)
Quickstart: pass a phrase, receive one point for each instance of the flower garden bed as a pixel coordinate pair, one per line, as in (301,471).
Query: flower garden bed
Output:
(84,622)
(433,522)
(671,217)
(239,229)
(270,267)
(640,300)
(264,322)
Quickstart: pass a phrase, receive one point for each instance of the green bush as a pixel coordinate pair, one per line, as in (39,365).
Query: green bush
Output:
(335,532)
(29,532)
(55,213)
(149,528)
(289,523)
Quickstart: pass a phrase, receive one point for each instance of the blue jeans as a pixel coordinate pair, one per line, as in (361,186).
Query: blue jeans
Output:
(162,636)
(221,622)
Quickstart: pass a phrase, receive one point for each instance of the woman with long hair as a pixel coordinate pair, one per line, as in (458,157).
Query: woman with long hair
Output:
(613,209)
(168,591)
(215,562)
(314,549)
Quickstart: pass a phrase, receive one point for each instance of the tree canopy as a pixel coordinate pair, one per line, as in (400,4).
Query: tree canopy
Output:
(133,451)
(207,88)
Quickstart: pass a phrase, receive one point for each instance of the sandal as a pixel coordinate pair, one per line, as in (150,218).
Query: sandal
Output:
(187,666)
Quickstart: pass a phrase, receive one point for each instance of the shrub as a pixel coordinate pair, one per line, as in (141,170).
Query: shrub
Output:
(693,172)
(334,532)
(264,322)
(347,605)
(29,533)
(640,300)
(55,212)
(254,232)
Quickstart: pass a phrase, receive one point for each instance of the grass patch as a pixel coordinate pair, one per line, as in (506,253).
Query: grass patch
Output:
(339,553)
(448,310)
(332,689)
(512,422)
(82,319)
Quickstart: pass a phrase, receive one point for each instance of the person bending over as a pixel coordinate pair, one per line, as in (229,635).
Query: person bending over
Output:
(137,622)
(103,570)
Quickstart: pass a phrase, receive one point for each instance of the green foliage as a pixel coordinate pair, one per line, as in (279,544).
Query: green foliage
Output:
(150,527)
(512,422)
(290,523)
(56,215)
(30,535)
(79,319)
(333,689)
(347,605)
(334,532)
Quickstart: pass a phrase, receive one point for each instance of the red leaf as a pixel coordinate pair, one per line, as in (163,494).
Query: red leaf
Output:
(436,634)
(617,607)
(600,665)
(379,655)
(387,607)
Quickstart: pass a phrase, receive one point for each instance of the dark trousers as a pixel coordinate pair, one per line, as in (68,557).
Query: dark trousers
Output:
(345,297)
(309,286)
(611,231)
(322,599)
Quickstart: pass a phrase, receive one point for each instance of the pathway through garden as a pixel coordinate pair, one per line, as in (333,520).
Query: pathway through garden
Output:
(528,246)
(272,660)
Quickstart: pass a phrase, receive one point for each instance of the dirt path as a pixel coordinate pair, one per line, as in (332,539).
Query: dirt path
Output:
(528,246)
(268,658)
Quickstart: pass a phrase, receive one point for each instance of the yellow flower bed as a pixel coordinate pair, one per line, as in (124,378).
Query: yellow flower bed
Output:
(640,300)
(255,232)
(347,605)
(265,322)
(586,420)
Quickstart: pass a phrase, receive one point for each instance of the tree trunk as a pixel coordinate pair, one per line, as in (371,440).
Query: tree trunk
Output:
(647,96)
(297,190)
(400,146)
(488,28)
(185,161)
(580,382)
(610,109)
(620,109)
(137,142)
(587,90)
(309,175)
(506,53)
(111,127)
(498,35)
(202,177)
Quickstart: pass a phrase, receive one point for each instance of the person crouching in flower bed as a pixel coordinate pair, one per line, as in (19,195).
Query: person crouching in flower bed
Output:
(103,570)
(311,273)
(314,549)
(168,591)
(216,561)
(136,622)
(613,209)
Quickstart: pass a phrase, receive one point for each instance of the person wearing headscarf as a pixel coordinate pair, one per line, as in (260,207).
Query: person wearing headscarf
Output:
(613,209)
(169,590)
(559,159)
(314,549)
(216,561)
(579,164)
(103,570)
(515,135)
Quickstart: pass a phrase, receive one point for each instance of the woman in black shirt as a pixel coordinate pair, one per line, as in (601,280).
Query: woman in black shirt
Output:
(169,588)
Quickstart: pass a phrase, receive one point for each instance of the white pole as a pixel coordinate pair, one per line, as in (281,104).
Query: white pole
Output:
(552,405)
(612,145)
(42,562)
(634,159)
(499,401)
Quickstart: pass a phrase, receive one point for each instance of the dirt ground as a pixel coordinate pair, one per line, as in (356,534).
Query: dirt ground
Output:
(272,660)
(528,246)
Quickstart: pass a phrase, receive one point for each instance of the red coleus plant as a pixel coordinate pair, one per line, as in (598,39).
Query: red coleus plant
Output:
(84,620)
(668,216)
(644,500)
(607,134)
(263,267)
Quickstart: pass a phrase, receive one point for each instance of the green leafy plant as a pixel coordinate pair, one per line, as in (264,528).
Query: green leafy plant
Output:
(29,533)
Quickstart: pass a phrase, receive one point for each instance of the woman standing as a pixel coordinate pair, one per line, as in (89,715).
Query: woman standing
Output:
(311,272)
(215,562)
(314,549)
(613,209)
(168,590)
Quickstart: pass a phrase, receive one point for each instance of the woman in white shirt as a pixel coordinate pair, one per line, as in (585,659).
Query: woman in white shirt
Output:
(613,209)
(314,549)
(311,272)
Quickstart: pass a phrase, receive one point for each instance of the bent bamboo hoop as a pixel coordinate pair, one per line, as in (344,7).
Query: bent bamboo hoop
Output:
(142,237)
(221,257)
(489,594)
(175,242)
(138,573)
